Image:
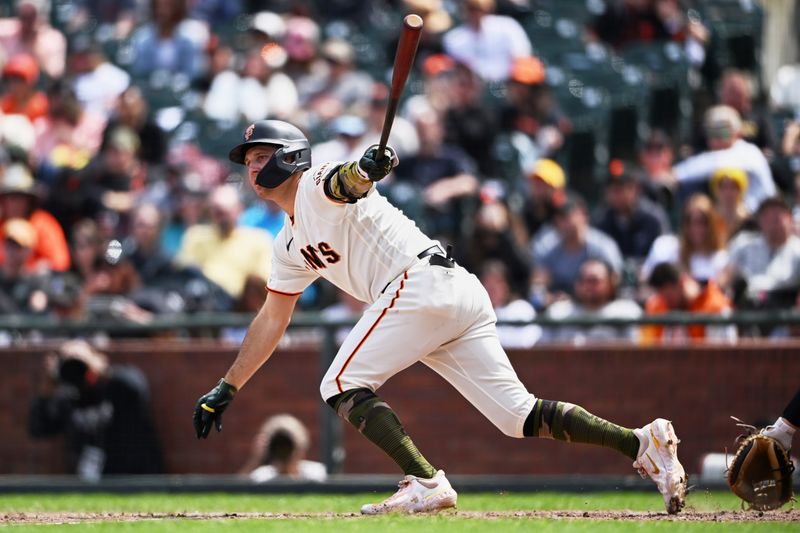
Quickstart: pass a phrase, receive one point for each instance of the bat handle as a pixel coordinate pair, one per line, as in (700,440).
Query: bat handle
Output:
(387,125)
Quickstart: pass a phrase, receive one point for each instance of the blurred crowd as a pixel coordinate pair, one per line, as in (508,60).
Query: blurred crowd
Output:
(117,199)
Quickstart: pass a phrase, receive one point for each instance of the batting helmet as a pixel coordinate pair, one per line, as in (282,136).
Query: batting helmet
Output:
(293,153)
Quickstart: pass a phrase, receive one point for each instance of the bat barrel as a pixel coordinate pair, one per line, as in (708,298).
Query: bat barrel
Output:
(403,61)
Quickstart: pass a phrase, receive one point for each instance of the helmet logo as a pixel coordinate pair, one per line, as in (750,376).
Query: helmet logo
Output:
(249,132)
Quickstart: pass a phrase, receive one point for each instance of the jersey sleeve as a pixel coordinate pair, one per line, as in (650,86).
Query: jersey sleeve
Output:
(314,196)
(287,276)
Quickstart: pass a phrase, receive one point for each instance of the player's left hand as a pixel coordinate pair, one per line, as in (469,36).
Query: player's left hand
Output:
(377,166)
(210,406)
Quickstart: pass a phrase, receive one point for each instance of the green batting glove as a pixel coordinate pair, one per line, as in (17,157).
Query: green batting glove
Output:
(377,166)
(210,406)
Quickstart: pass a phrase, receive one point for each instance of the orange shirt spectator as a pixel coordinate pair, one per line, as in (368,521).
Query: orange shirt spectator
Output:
(20,96)
(676,290)
(17,200)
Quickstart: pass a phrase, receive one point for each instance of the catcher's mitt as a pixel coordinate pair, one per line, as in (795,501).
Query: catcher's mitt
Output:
(761,471)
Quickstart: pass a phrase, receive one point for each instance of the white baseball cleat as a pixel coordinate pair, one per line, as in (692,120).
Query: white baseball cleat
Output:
(658,460)
(417,495)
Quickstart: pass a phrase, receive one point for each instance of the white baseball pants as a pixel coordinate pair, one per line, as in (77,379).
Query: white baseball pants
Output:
(443,318)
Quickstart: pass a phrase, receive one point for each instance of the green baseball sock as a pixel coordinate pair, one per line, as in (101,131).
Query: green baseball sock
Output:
(377,421)
(572,423)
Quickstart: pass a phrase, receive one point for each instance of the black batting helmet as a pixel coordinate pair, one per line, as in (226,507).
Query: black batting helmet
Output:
(293,153)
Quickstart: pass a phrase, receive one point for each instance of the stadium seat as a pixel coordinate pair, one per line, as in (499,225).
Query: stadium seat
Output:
(664,70)
(551,35)
(736,29)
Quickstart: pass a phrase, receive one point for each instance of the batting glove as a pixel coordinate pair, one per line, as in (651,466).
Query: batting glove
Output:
(376,166)
(209,408)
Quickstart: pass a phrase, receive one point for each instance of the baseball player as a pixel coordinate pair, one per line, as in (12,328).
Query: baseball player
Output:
(422,307)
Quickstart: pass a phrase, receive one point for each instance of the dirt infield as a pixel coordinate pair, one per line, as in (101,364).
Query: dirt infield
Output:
(690,516)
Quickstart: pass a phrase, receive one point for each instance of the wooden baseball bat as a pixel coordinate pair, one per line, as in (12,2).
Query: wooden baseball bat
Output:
(403,61)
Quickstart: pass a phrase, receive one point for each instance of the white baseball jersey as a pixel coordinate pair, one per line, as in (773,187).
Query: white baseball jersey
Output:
(358,247)
(435,314)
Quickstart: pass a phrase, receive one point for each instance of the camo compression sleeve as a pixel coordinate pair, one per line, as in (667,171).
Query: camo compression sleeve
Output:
(347,184)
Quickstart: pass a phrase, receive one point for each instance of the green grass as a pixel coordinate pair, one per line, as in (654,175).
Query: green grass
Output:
(447,523)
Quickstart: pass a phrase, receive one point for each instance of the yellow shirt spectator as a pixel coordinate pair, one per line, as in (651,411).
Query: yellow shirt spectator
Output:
(226,253)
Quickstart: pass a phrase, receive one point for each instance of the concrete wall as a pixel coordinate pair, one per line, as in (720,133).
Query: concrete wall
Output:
(696,387)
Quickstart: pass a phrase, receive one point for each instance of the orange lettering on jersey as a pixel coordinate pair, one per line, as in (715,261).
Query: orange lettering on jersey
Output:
(331,256)
(312,259)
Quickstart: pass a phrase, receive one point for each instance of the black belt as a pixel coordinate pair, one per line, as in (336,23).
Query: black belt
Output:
(437,257)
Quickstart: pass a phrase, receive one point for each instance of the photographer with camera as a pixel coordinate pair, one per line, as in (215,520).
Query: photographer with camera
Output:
(102,410)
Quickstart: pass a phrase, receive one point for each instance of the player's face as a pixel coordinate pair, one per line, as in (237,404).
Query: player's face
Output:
(255,159)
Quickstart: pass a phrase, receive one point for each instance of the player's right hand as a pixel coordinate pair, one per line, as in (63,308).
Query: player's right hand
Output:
(210,406)
(377,166)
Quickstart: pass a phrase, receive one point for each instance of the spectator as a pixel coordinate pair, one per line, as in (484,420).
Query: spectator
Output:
(132,111)
(683,27)
(655,157)
(626,22)
(68,136)
(303,64)
(113,180)
(509,306)
(266,27)
(143,246)
(102,409)
(632,220)
(676,290)
(279,452)
(167,287)
(736,91)
(699,249)
(403,137)
(486,42)
(115,19)
(16,135)
(494,238)
(190,208)
(558,252)
(789,156)
(166,44)
(444,178)
(348,141)
(30,33)
(546,188)
(20,95)
(253,295)
(222,63)
(97,82)
(531,121)
(216,12)
(438,80)
(723,128)
(595,297)
(469,122)
(728,185)
(764,267)
(21,291)
(19,199)
(784,93)
(262,215)
(342,88)
(104,275)
(436,21)
(263,90)
(225,252)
